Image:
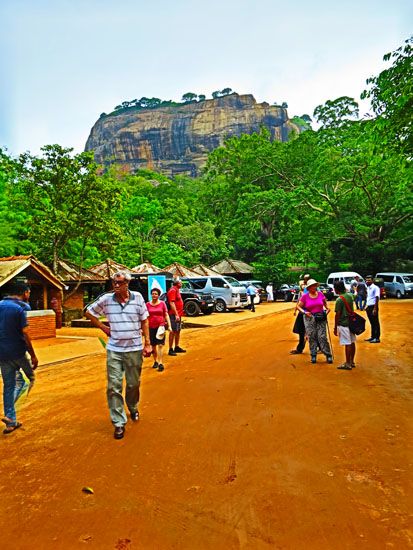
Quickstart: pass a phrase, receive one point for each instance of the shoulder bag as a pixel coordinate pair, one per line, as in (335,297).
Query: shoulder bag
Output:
(356,323)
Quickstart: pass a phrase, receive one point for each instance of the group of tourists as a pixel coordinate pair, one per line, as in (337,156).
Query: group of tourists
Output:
(311,321)
(136,329)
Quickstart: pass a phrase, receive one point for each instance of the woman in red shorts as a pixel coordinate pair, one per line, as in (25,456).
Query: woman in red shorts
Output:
(158,317)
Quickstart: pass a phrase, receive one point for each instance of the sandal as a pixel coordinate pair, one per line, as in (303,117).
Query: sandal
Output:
(344,366)
(11,428)
(295,352)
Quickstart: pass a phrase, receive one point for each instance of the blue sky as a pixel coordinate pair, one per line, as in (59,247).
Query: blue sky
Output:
(64,62)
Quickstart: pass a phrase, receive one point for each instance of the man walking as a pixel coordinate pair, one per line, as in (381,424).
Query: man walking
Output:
(176,312)
(270,292)
(128,318)
(361,290)
(372,309)
(251,292)
(344,304)
(14,343)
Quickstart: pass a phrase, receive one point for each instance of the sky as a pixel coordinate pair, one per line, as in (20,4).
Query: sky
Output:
(64,62)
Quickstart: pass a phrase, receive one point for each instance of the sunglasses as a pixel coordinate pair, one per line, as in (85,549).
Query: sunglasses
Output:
(119,283)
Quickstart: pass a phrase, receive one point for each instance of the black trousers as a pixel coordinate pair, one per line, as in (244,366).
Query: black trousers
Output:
(374,322)
(252,305)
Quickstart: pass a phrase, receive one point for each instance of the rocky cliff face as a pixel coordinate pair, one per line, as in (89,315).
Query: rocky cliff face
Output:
(177,140)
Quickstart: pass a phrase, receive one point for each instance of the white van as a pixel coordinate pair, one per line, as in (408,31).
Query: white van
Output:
(399,285)
(345,276)
(227,291)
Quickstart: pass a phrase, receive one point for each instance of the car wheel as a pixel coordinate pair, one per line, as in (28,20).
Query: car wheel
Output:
(208,311)
(399,295)
(192,309)
(220,306)
(286,297)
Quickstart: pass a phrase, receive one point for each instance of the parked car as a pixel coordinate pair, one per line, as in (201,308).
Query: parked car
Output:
(226,291)
(195,303)
(286,292)
(327,291)
(261,292)
(399,285)
(380,283)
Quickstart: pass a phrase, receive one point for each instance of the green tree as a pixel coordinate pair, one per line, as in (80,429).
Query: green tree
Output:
(189,97)
(66,199)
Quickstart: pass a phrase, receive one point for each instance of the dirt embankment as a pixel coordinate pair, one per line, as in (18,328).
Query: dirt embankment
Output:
(240,445)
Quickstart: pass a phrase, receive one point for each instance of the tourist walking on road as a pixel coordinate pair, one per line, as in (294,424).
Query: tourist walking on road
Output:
(176,312)
(251,292)
(158,322)
(344,304)
(315,309)
(361,294)
(127,316)
(372,309)
(14,344)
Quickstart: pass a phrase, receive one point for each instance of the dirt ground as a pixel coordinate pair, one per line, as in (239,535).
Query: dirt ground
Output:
(240,445)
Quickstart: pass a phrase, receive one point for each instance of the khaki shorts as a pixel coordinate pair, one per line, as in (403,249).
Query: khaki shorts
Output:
(346,337)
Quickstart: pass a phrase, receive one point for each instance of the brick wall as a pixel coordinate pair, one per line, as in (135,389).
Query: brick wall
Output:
(42,324)
(75,301)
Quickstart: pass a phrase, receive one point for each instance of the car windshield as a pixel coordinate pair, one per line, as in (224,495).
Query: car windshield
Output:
(232,281)
(408,278)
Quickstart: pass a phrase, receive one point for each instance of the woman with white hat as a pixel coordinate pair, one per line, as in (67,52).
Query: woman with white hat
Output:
(313,305)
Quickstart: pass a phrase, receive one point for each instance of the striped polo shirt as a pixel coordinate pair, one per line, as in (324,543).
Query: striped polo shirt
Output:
(124,320)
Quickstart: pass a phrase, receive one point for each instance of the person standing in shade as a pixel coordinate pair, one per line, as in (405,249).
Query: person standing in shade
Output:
(372,309)
(270,292)
(341,324)
(14,343)
(361,295)
(176,312)
(158,320)
(251,292)
(127,316)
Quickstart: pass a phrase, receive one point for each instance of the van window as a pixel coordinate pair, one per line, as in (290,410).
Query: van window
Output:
(387,278)
(348,280)
(399,280)
(199,283)
(232,281)
(218,283)
(330,281)
(408,279)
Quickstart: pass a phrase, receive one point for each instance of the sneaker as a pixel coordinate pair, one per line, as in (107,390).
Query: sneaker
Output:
(171,352)
(134,416)
(161,367)
(179,350)
(375,341)
(344,366)
(329,359)
(155,365)
(119,432)
(314,358)
(368,339)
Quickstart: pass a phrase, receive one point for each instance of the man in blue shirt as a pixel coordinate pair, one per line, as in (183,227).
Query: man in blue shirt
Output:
(14,343)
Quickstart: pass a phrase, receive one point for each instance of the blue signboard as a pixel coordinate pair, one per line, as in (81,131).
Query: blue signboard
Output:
(156,281)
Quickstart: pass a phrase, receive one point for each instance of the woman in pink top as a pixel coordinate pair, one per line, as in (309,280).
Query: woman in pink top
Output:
(158,317)
(314,306)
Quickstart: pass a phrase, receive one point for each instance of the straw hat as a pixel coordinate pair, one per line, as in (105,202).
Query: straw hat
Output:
(312,282)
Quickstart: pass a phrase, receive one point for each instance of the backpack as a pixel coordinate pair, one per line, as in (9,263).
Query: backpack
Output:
(356,323)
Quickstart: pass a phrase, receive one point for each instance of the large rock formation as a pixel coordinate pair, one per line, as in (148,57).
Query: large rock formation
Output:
(176,140)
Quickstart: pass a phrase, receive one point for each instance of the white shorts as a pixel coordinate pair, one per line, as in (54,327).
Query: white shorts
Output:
(346,337)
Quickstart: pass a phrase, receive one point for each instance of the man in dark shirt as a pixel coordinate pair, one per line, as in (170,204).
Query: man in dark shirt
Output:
(14,343)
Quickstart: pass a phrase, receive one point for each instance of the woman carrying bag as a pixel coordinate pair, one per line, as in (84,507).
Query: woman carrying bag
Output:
(158,320)
(313,305)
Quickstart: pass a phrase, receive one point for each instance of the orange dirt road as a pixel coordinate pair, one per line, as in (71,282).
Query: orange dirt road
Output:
(240,445)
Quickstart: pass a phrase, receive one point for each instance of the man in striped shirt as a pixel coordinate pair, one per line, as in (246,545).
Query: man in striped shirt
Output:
(127,316)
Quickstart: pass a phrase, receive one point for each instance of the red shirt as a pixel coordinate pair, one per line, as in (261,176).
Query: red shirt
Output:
(156,314)
(175,296)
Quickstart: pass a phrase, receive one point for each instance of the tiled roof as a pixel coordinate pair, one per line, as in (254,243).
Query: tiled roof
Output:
(69,272)
(204,270)
(180,270)
(12,266)
(232,266)
(146,267)
(108,268)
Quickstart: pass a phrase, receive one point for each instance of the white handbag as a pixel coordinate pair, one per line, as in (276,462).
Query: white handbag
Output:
(160,333)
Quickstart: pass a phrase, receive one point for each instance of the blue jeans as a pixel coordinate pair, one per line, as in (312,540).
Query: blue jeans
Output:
(361,301)
(9,371)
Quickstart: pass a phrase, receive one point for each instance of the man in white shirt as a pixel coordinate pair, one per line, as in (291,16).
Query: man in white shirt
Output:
(372,309)
(270,292)
(128,318)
